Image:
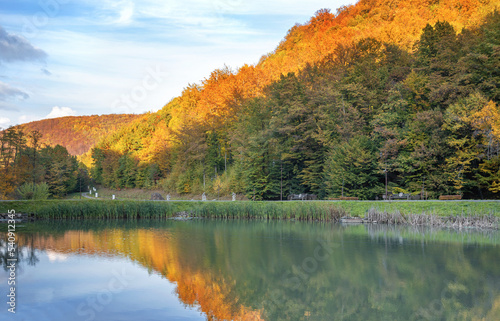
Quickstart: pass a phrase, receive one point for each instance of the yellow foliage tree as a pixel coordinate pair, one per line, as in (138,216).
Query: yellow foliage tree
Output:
(488,120)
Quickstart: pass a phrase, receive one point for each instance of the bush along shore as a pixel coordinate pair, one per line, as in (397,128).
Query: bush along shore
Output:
(476,215)
(453,221)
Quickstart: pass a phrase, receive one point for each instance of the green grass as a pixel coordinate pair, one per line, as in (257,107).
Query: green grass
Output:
(73,196)
(127,194)
(145,194)
(441,208)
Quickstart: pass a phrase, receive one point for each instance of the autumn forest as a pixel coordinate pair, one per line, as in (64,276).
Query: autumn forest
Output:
(403,90)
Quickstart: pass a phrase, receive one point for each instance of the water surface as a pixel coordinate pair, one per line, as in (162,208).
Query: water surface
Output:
(241,270)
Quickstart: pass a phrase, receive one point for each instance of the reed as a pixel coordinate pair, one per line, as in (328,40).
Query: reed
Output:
(421,234)
(488,221)
(301,211)
(105,210)
(108,209)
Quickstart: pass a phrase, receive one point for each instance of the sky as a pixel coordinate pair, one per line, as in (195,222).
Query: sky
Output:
(92,57)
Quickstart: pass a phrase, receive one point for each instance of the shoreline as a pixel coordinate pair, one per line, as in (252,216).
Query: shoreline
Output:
(454,215)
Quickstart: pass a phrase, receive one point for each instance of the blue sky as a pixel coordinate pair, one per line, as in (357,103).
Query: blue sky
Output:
(85,57)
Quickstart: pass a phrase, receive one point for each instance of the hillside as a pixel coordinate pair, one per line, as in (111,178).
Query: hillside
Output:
(215,102)
(406,87)
(77,133)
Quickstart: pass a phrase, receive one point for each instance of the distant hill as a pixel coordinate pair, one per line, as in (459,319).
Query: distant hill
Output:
(78,133)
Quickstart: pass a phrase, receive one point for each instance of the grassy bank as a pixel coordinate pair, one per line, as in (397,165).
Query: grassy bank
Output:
(311,210)
(440,208)
(106,209)
(76,209)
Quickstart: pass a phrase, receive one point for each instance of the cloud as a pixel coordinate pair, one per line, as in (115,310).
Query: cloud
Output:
(60,112)
(6,92)
(46,72)
(114,12)
(26,119)
(54,256)
(16,48)
(4,121)
(126,14)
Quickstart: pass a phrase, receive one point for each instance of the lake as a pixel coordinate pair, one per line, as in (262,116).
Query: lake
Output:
(250,270)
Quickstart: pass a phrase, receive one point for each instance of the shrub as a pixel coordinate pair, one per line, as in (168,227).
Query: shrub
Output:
(30,191)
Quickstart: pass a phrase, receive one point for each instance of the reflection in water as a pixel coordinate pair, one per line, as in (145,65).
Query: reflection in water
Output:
(240,270)
(28,256)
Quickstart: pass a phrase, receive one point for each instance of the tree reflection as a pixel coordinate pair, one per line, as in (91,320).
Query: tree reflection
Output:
(22,254)
(265,270)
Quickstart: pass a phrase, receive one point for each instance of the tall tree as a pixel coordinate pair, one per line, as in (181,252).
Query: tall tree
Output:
(351,169)
(34,141)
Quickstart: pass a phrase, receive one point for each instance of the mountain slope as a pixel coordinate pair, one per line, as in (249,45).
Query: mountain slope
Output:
(77,133)
(406,87)
(215,102)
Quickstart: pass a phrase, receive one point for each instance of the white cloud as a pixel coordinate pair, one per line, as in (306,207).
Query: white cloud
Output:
(113,12)
(126,14)
(189,9)
(4,121)
(54,256)
(60,112)
(26,119)
(209,17)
